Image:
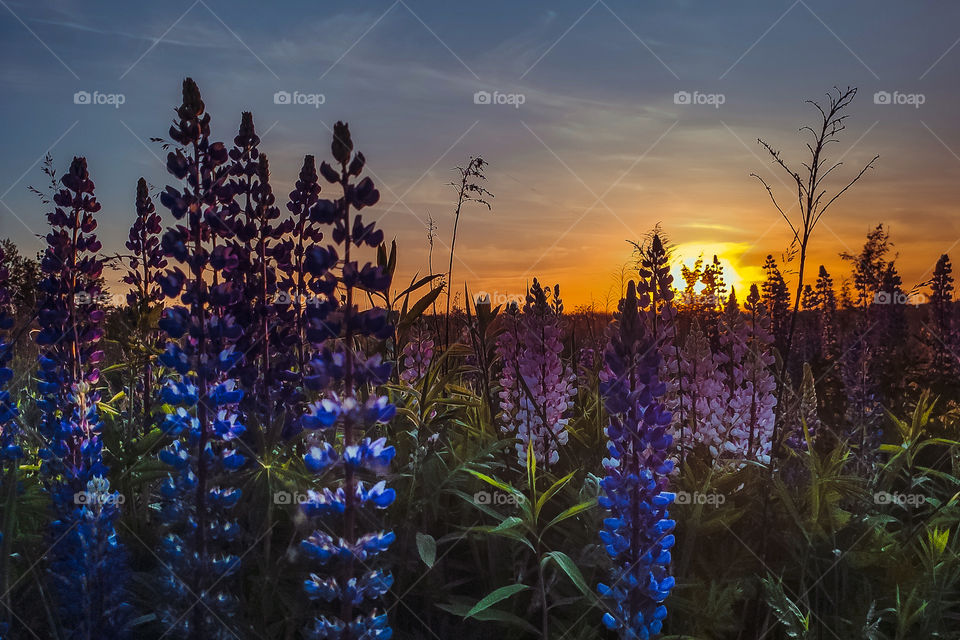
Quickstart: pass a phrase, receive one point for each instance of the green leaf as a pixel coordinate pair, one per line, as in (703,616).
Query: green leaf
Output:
(508,523)
(427,547)
(571,512)
(496,596)
(552,491)
(459,608)
(503,486)
(417,310)
(570,568)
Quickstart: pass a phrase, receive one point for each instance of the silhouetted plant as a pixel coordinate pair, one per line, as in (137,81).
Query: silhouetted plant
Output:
(469,189)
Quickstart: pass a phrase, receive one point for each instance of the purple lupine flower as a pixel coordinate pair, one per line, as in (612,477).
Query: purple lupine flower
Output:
(340,445)
(302,287)
(417,355)
(144,264)
(637,534)
(537,387)
(146,259)
(87,561)
(202,334)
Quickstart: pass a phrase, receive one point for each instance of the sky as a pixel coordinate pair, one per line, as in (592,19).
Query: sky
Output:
(599,120)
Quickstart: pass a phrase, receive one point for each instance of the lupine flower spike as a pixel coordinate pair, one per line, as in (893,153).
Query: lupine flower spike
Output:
(637,532)
(344,576)
(87,562)
(201,393)
(537,387)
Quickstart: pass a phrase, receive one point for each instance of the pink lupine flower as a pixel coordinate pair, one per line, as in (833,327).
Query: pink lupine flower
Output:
(417,356)
(537,387)
(751,385)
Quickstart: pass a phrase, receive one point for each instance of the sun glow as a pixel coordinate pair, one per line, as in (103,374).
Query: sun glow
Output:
(735,275)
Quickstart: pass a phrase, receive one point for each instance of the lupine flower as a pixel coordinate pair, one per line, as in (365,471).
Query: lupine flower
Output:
(864,413)
(9,430)
(87,561)
(266,342)
(144,264)
(10,449)
(344,584)
(804,413)
(205,424)
(703,400)
(297,282)
(637,534)
(417,355)
(751,387)
(537,387)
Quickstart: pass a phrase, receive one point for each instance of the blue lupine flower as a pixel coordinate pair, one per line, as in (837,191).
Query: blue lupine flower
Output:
(88,563)
(202,396)
(9,430)
(636,535)
(343,374)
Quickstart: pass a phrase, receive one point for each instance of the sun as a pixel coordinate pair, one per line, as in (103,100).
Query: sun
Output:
(728,253)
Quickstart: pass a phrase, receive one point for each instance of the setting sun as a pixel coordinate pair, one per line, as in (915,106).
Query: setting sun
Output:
(735,275)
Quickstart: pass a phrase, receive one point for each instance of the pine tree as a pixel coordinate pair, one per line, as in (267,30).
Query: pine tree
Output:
(939,332)
(776,299)
(830,387)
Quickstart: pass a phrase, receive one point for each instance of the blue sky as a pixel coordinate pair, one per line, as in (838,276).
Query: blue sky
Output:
(598,152)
